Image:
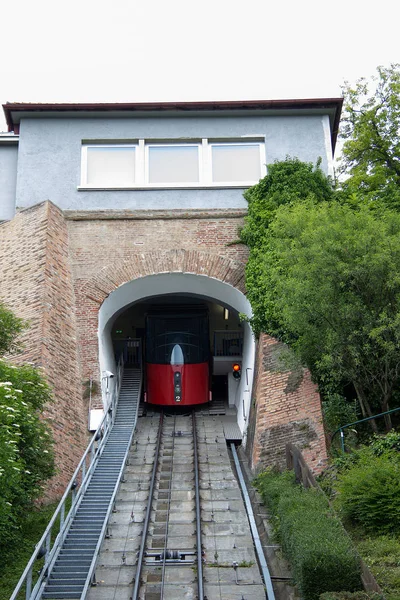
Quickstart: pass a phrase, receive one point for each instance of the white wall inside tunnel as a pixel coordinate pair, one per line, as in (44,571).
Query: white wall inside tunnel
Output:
(200,286)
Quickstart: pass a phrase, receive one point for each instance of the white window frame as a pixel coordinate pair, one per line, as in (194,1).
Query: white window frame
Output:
(204,146)
(185,184)
(245,183)
(84,161)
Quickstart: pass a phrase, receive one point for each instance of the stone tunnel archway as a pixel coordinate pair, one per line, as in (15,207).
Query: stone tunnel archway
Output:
(150,274)
(198,286)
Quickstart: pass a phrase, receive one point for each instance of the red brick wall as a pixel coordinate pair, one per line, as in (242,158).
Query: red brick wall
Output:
(56,270)
(108,250)
(36,283)
(286,408)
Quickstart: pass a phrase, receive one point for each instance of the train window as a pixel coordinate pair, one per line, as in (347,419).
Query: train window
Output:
(177,355)
(181,339)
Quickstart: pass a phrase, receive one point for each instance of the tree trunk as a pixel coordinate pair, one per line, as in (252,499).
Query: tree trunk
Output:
(364,404)
(387,418)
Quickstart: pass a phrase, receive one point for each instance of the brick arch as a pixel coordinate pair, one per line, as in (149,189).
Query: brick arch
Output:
(138,265)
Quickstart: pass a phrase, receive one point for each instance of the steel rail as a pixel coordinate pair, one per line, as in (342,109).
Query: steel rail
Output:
(198,515)
(146,522)
(254,532)
(164,554)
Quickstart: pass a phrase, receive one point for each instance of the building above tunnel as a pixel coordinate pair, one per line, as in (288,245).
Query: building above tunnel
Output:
(155,156)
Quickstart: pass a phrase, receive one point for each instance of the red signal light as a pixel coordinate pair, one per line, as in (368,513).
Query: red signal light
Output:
(236,370)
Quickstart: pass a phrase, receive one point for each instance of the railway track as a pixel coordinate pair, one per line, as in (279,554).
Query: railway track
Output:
(179,529)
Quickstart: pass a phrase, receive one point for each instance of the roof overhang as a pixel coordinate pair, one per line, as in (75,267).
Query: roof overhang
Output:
(15,111)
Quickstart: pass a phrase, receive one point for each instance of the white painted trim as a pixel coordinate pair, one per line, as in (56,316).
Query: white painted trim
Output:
(84,158)
(174,184)
(184,186)
(142,148)
(328,144)
(263,168)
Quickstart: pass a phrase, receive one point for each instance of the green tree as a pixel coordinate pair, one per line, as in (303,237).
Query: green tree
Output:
(287,183)
(371,130)
(328,283)
(26,450)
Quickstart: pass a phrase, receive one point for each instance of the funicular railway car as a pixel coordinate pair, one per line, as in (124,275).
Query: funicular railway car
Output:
(177,357)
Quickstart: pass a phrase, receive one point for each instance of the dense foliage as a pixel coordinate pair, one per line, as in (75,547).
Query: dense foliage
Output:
(366,485)
(371,130)
(26,456)
(369,494)
(323,269)
(325,280)
(321,555)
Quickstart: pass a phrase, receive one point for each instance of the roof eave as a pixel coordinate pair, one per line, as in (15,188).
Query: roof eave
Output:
(14,110)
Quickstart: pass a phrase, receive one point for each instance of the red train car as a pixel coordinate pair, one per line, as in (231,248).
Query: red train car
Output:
(177,357)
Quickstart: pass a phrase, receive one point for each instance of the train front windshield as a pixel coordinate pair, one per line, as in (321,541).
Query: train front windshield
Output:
(177,340)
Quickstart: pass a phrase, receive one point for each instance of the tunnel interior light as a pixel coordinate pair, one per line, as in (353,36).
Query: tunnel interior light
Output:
(226,314)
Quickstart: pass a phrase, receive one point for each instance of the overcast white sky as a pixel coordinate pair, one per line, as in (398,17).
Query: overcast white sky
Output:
(176,50)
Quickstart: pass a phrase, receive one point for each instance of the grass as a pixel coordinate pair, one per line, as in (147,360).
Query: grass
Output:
(14,561)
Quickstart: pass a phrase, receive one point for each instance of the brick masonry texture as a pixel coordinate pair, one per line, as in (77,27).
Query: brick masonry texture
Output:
(286,408)
(106,253)
(36,283)
(57,269)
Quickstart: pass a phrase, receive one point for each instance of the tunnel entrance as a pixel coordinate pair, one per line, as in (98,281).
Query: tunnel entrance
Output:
(185,346)
(122,324)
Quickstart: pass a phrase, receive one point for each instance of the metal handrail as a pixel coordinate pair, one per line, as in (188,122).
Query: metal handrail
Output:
(343,427)
(92,567)
(83,472)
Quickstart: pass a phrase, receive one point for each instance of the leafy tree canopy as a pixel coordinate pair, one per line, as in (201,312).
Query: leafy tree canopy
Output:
(287,182)
(371,130)
(323,276)
(331,275)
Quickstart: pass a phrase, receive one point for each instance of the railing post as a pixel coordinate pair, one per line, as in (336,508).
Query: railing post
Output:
(48,545)
(342,439)
(62,516)
(28,589)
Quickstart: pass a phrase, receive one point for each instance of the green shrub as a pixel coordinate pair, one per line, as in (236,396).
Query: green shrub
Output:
(382,444)
(312,538)
(369,493)
(26,448)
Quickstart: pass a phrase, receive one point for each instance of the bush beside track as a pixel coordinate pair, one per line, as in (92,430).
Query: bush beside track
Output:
(321,554)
